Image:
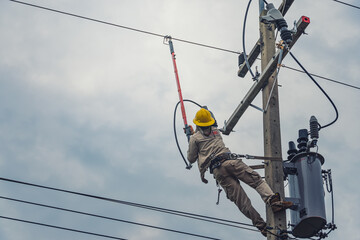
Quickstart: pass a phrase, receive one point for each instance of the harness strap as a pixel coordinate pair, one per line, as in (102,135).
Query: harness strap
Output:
(217,161)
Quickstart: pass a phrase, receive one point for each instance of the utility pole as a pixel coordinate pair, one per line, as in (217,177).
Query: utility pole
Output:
(267,83)
(271,127)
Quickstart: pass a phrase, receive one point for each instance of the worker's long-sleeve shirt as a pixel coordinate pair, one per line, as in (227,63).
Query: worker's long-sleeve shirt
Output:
(201,147)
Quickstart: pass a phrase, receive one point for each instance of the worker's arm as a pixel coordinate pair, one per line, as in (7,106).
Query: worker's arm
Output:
(193,150)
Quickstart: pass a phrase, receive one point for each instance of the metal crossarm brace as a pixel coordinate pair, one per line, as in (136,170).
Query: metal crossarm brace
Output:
(263,78)
(243,69)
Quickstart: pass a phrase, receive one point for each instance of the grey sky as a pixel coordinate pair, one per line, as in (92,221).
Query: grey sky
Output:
(89,107)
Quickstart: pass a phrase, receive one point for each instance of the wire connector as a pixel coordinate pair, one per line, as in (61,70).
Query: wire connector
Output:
(275,16)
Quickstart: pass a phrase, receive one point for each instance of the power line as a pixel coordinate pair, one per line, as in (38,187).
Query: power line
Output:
(122,26)
(62,228)
(318,76)
(163,36)
(103,217)
(347,4)
(163,210)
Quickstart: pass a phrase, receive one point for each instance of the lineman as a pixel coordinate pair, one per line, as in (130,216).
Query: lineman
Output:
(206,146)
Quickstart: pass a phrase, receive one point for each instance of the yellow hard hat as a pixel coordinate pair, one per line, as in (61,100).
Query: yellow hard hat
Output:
(203,118)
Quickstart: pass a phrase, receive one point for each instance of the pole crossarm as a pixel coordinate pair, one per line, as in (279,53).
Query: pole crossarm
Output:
(263,78)
(243,69)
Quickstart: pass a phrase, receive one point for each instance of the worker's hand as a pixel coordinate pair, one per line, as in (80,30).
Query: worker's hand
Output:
(190,129)
(204,180)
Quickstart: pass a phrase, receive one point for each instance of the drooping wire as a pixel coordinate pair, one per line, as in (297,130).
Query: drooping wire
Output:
(176,138)
(121,26)
(61,228)
(322,90)
(103,217)
(243,41)
(163,210)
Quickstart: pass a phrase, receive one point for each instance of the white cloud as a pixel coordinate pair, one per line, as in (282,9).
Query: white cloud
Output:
(90,107)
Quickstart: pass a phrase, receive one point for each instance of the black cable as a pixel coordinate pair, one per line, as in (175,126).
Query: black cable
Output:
(350,5)
(323,91)
(243,41)
(176,138)
(103,217)
(62,228)
(164,210)
(151,33)
(121,26)
(318,76)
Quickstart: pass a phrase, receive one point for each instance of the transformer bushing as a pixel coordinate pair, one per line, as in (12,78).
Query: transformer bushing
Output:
(308,215)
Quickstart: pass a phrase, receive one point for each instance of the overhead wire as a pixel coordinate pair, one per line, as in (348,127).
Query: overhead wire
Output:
(162,36)
(122,26)
(347,4)
(203,45)
(163,210)
(61,228)
(319,76)
(102,217)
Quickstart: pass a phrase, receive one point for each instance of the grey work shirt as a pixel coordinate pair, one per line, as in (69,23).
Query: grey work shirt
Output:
(201,147)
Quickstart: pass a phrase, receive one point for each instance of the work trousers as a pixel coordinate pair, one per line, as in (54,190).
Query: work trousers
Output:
(228,176)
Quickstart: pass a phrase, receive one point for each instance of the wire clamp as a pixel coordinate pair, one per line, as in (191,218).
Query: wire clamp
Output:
(166,39)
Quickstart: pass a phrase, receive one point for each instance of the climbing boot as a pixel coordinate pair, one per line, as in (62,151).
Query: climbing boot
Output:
(284,236)
(263,229)
(264,232)
(277,205)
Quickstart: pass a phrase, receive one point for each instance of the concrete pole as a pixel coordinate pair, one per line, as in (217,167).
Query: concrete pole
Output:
(271,127)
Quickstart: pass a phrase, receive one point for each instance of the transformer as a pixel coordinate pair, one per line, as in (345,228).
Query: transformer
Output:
(304,173)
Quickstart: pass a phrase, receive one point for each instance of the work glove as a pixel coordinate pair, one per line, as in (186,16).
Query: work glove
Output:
(190,129)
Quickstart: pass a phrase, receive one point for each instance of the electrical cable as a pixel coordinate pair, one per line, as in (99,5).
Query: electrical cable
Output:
(121,26)
(322,90)
(318,76)
(163,210)
(347,4)
(176,138)
(160,35)
(243,41)
(103,217)
(62,228)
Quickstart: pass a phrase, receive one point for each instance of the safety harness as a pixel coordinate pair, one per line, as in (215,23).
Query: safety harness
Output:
(218,160)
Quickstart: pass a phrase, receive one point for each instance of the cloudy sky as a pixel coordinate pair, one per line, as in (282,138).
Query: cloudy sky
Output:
(89,107)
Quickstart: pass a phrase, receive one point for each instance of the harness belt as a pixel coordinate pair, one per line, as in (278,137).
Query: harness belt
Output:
(216,162)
